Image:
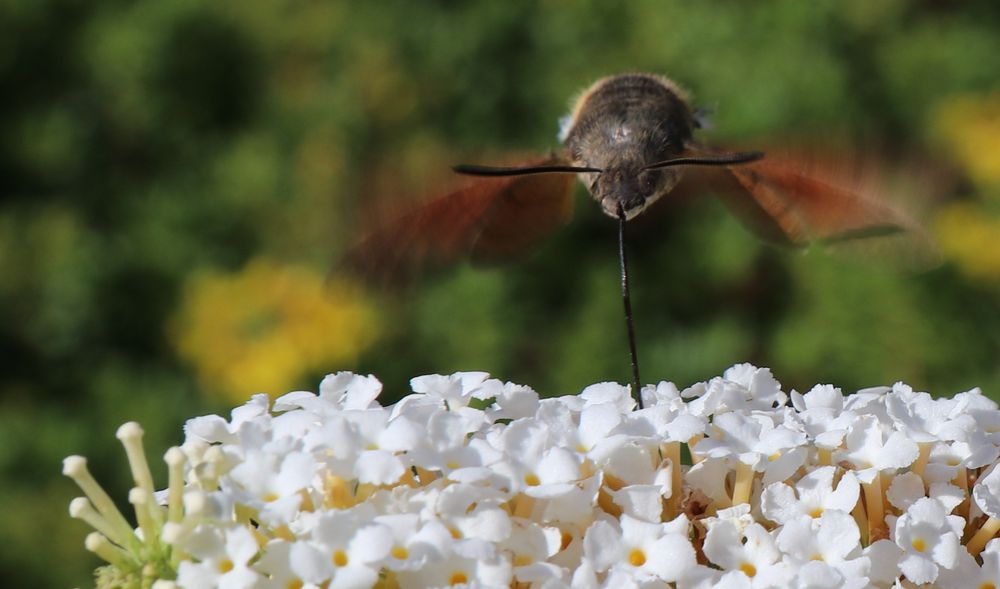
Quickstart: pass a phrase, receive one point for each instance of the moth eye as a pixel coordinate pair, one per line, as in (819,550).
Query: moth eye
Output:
(646,180)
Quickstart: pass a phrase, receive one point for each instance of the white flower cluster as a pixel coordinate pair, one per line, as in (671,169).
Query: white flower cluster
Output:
(473,482)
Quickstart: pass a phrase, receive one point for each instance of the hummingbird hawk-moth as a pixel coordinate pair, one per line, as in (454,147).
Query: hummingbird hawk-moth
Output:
(629,138)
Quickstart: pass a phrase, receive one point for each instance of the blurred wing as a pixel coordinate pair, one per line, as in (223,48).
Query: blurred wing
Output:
(794,203)
(490,220)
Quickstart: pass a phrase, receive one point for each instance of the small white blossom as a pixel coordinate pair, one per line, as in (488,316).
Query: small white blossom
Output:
(223,558)
(640,550)
(471,481)
(987,493)
(929,538)
(872,450)
(925,419)
(821,412)
(812,496)
(833,539)
(750,552)
(343,549)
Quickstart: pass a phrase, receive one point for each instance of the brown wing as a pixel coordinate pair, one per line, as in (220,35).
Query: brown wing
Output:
(489,220)
(792,202)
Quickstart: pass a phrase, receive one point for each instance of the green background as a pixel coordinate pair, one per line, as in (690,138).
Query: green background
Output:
(143,144)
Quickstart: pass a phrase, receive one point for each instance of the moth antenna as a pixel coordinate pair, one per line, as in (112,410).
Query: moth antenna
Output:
(470,170)
(728,159)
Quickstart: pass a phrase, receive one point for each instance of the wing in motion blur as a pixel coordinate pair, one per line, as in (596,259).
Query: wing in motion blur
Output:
(794,202)
(489,220)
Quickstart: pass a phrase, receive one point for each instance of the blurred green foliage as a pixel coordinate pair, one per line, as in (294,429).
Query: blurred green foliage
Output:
(142,143)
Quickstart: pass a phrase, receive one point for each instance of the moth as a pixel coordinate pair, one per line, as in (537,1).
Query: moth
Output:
(629,139)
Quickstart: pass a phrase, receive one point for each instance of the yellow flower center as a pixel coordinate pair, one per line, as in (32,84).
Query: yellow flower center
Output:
(294,584)
(637,557)
(774,457)
(523,560)
(748,569)
(987,585)
(816,512)
(531,479)
(452,464)
(340,558)
(400,552)
(458,578)
(225,565)
(919,545)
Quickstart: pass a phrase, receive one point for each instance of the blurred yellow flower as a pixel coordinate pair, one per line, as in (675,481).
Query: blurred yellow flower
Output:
(969,236)
(269,325)
(969,125)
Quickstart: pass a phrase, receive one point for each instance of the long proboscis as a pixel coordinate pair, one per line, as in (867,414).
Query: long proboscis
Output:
(728,159)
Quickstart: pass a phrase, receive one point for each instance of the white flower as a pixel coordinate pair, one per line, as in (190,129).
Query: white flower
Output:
(884,557)
(665,418)
(987,492)
(947,459)
(870,401)
(907,488)
(447,447)
(457,570)
(269,480)
(212,428)
(764,391)
(821,412)
(640,550)
(751,553)
(644,502)
(833,539)
(275,566)
(738,516)
(409,549)
(812,496)
(223,558)
(454,390)
(984,411)
(511,401)
(871,450)
(608,392)
(968,573)
(629,462)
(350,391)
(929,538)
(709,477)
(663,394)
(332,490)
(530,545)
(756,441)
(742,388)
(342,548)
(471,512)
(572,504)
(364,445)
(925,419)
(531,460)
